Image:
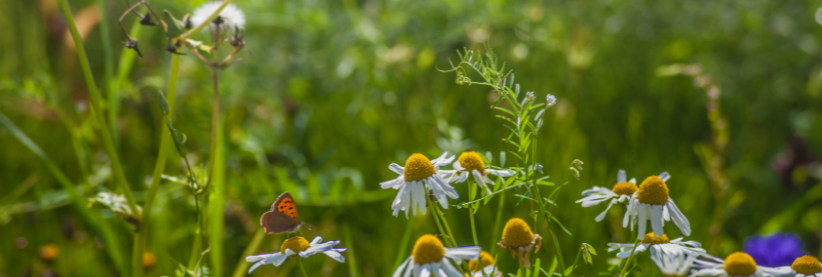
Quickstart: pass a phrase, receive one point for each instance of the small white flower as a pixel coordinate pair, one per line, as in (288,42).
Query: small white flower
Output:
(659,246)
(298,245)
(550,100)
(622,192)
(470,163)
(675,265)
(231,15)
(418,174)
(489,267)
(652,203)
(736,264)
(429,257)
(805,266)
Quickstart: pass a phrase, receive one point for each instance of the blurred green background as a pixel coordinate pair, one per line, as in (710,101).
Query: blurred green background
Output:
(328,93)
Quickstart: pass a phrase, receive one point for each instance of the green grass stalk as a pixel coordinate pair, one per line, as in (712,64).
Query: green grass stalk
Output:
(242,265)
(108,70)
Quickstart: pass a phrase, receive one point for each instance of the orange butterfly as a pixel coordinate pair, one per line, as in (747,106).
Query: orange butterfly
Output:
(283,217)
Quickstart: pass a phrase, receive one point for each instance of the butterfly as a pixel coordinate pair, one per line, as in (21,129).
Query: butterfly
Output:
(283,217)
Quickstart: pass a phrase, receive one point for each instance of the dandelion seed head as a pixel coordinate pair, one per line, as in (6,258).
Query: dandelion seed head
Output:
(653,191)
(625,188)
(650,238)
(471,161)
(428,249)
(486,259)
(517,233)
(550,100)
(296,244)
(418,167)
(231,15)
(807,265)
(739,264)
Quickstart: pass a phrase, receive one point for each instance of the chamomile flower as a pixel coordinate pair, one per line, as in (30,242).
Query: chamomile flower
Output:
(231,16)
(659,246)
(518,238)
(429,257)
(675,265)
(418,174)
(805,266)
(470,163)
(488,267)
(621,192)
(736,264)
(298,245)
(652,202)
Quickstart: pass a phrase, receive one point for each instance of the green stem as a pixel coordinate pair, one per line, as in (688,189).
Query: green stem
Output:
(242,265)
(159,166)
(198,234)
(302,268)
(96,109)
(108,58)
(630,257)
(497,224)
(437,211)
(471,191)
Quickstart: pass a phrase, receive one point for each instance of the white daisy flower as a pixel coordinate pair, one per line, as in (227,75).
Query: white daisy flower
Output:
(736,264)
(429,257)
(660,246)
(674,265)
(298,245)
(805,266)
(621,192)
(489,268)
(418,174)
(230,15)
(470,163)
(651,202)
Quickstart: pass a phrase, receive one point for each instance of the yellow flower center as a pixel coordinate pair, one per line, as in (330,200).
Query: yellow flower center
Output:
(418,167)
(296,244)
(739,264)
(806,265)
(471,161)
(516,233)
(624,188)
(652,239)
(486,259)
(149,260)
(653,191)
(428,249)
(49,252)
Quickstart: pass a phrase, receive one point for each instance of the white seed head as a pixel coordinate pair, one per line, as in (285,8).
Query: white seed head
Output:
(231,15)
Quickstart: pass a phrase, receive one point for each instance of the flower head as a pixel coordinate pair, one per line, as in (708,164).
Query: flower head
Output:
(518,238)
(418,176)
(483,266)
(778,249)
(659,246)
(470,163)
(807,266)
(550,100)
(298,245)
(621,192)
(736,264)
(229,17)
(651,202)
(430,257)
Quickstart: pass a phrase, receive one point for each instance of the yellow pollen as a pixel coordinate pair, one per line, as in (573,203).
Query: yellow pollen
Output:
(624,188)
(652,239)
(428,249)
(739,264)
(517,233)
(471,161)
(486,261)
(418,167)
(806,265)
(653,191)
(296,244)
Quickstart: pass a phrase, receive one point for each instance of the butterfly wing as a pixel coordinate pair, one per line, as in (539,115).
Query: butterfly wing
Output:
(283,217)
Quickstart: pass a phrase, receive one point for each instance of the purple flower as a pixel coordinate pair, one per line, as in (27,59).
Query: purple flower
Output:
(774,250)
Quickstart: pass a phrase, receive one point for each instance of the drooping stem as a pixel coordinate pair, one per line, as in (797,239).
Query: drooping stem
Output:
(96,108)
(159,166)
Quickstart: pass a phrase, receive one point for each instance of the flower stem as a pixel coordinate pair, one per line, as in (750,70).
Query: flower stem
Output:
(96,109)
(471,191)
(630,257)
(302,268)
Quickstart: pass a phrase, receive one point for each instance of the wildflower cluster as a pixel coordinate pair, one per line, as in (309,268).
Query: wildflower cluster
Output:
(651,201)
